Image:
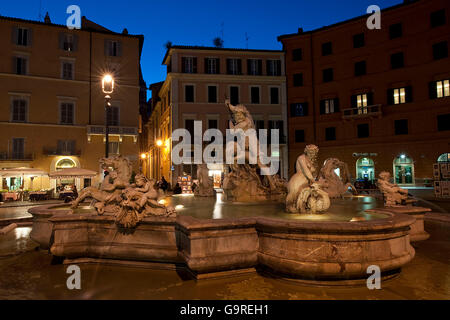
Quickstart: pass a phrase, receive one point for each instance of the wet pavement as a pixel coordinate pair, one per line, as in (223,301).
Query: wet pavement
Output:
(27,273)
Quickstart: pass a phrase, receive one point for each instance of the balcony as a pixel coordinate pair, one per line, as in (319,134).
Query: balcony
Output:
(363,112)
(5,156)
(56,152)
(113,131)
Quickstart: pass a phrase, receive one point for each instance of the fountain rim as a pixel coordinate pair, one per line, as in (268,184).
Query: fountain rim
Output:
(392,220)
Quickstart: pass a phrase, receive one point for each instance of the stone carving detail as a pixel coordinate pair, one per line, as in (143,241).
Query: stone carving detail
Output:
(128,202)
(392,193)
(334,185)
(243,183)
(305,194)
(205,186)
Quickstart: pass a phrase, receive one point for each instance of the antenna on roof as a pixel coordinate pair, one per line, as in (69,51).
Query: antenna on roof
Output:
(40,11)
(246,39)
(222,28)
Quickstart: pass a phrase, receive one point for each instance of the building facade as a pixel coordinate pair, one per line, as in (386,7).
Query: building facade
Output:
(377,99)
(199,80)
(52,105)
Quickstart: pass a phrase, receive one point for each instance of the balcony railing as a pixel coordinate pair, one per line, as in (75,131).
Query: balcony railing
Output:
(362,112)
(56,152)
(123,131)
(16,156)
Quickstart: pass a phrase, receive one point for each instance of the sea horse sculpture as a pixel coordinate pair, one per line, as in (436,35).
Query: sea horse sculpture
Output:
(244,181)
(130,203)
(336,186)
(304,193)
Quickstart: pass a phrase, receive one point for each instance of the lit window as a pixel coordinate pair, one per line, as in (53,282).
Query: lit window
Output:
(361,103)
(329,106)
(399,96)
(443,88)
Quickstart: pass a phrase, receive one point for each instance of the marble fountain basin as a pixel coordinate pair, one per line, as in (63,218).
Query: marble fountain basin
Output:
(326,249)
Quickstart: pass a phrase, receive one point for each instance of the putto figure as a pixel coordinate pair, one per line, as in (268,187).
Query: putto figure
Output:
(304,193)
(393,195)
(130,203)
(205,186)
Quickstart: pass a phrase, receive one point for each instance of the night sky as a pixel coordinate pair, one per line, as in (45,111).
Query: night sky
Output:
(198,22)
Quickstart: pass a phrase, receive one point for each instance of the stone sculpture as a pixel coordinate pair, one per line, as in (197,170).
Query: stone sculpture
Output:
(205,186)
(128,202)
(336,186)
(305,194)
(393,195)
(244,183)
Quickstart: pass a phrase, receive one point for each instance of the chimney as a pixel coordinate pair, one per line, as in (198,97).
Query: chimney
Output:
(47,19)
(125,31)
(300,30)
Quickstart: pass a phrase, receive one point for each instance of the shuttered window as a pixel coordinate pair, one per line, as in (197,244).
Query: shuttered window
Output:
(113,48)
(19,110)
(67,113)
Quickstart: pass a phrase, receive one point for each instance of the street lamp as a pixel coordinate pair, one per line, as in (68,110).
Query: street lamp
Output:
(108,88)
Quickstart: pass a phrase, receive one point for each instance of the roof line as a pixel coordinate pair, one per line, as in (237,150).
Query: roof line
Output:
(289,35)
(65,27)
(206,48)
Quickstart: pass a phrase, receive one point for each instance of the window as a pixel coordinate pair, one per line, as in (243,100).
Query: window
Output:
(297,54)
(441,88)
(254,95)
(358,40)
(18,148)
(395,31)
(299,109)
(212,124)
(274,96)
(360,68)
(401,126)
(327,48)
(19,110)
(299,136)
(440,50)
(328,106)
(361,102)
(65,147)
(276,125)
(363,130)
(273,68)
(330,134)
(113,48)
(443,122)
(189,64)
(20,65)
(67,70)
(113,116)
(234,66)
(437,18)
(212,94)
(397,60)
(298,79)
(327,75)
(212,65)
(189,126)
(400,95)
(189,93)
(114,147)
(66,113)
(234,95)
(67,42)
(22,36)
(254,67)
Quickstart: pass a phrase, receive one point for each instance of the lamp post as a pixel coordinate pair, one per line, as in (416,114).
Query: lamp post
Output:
(108,88)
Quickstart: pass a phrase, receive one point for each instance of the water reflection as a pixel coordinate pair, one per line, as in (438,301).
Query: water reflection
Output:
(216,208)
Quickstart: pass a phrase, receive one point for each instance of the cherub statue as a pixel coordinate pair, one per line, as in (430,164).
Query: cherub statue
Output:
(392,193)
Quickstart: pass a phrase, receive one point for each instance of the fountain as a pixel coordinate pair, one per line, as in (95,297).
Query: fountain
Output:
(304,230)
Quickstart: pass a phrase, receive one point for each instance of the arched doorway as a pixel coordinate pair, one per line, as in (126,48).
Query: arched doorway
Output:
(403,170)
(65,164)
(445,157)
(365,169)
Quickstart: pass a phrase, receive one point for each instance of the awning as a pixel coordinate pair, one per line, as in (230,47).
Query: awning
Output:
(72,173)
(25,172)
